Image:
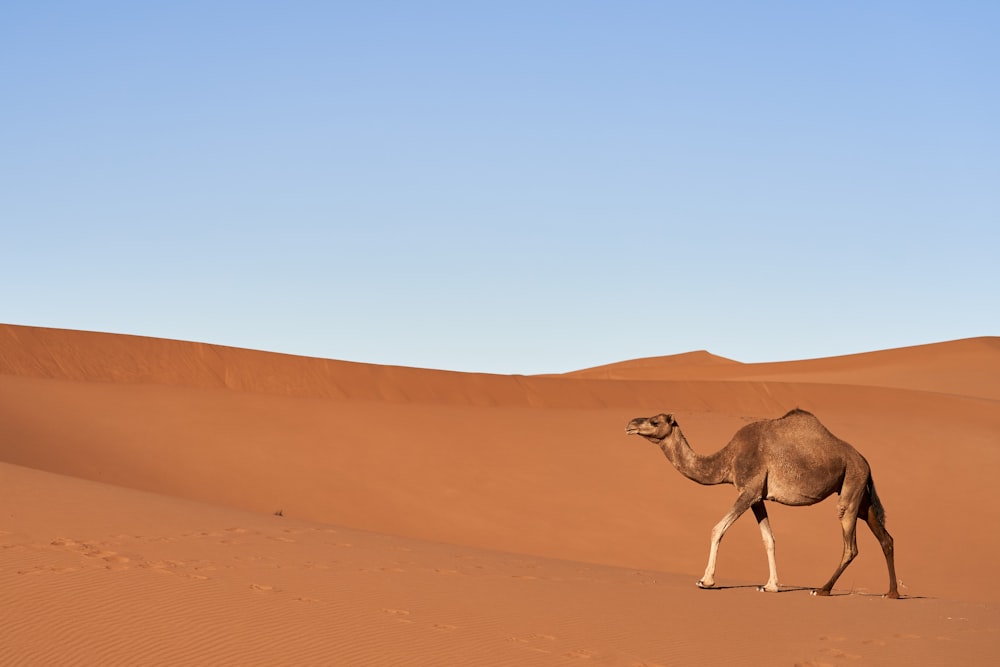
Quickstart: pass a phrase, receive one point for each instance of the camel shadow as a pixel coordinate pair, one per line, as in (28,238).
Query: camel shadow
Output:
(810,589)
(758,587)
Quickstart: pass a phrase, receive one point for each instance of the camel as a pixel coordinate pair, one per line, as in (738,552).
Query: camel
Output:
(793,460)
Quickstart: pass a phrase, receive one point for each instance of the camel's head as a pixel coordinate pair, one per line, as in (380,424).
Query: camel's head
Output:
(658,428)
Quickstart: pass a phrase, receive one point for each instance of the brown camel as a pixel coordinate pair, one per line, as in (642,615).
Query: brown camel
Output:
(793,460)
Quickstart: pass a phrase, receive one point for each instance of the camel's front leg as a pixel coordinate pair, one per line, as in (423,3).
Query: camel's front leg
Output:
(743,503)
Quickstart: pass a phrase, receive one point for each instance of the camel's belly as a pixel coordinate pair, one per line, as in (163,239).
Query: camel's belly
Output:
(792,499)
(791,495)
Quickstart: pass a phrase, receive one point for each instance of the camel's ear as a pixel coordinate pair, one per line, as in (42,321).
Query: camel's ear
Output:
(671,420)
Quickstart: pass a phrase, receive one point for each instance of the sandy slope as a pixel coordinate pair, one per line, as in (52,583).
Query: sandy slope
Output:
(448,518)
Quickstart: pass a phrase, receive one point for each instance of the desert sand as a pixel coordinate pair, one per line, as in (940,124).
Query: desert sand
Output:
(176,503)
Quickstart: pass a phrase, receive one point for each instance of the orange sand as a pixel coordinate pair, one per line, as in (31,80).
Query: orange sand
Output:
(439,518)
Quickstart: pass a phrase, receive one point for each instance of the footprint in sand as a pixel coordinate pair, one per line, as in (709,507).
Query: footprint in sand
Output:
(161,566)
(580,653)
(116,562)
(399,614)
(396,612)
(532,640)
(113,559)
(837,653)
(263,588)
(69,543)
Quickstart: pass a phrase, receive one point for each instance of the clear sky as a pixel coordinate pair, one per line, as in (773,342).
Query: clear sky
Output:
(511,187)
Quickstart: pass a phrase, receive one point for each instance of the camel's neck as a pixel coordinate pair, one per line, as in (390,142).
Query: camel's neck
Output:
(710,469)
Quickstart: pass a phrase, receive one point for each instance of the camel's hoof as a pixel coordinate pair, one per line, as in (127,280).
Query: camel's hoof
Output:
(892,595)
(766,589)
(821,593)
(702,584)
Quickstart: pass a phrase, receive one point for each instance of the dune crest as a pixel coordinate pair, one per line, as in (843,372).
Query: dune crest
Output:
(966,367)
(653,367)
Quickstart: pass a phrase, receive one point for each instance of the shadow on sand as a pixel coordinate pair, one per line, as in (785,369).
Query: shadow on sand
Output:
(809,589)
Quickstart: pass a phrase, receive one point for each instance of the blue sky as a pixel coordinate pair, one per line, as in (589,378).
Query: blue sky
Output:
(516,187)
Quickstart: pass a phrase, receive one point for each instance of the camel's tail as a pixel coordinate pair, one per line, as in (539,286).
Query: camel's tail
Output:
(875,502)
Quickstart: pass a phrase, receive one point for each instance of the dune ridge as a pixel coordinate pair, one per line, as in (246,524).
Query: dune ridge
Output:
(434,517)
(967,367)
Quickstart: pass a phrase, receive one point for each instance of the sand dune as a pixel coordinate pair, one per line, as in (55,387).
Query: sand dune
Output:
(431,517)
(967,367)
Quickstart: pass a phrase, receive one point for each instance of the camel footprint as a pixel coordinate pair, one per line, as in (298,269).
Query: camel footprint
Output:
(535,642)
(399,614)
(91,550)
(263,588)
(580,653)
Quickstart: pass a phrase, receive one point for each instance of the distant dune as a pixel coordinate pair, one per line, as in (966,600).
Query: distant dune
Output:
(967,367)
(432,517)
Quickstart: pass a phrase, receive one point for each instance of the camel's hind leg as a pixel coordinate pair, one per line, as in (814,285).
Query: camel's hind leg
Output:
(854,495)
(884,539)
(742,504)
(848,523)
(760,513)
